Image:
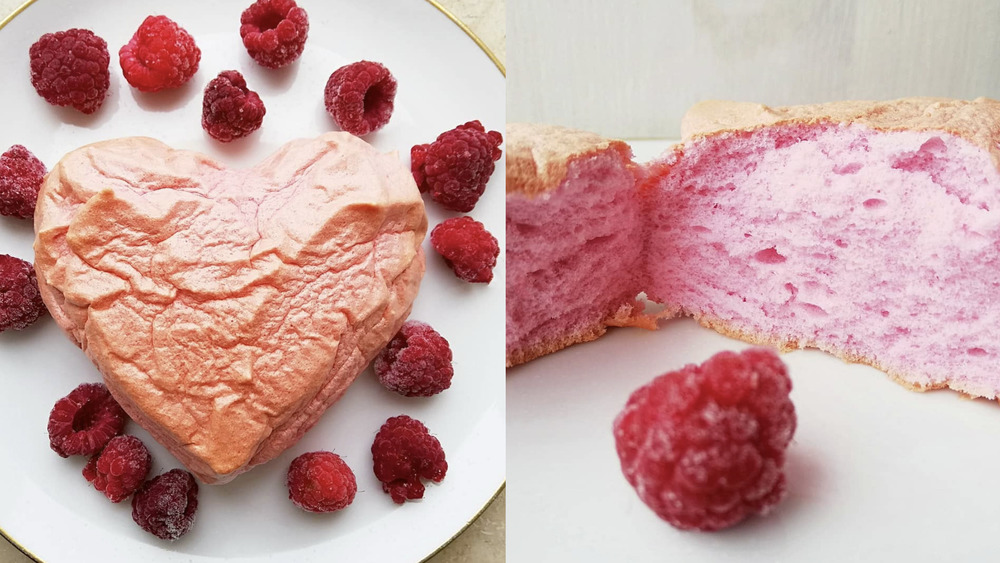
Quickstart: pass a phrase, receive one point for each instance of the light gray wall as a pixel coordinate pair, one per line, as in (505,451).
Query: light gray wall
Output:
(631,68)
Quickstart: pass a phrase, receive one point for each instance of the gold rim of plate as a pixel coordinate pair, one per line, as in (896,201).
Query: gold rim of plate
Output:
(496,61)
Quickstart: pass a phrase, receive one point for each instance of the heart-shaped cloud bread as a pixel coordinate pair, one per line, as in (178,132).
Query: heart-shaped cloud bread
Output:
(227,309)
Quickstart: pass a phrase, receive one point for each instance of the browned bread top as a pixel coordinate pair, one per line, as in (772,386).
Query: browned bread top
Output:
(539,155)
(977,121)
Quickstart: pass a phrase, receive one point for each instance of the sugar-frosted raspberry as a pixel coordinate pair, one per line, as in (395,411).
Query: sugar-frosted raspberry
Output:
(416,362)
(705,446)
(403,453)
(467,247)
(70,68)
(165,505)
(360,97)
(160,55)
(231,110)
(120,468)
(21,175)
(321,482)
(20,302)
(456,167)
(274,32)
(84,421)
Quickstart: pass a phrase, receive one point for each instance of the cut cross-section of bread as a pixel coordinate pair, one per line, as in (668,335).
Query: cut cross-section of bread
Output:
(573,240)
(867,229)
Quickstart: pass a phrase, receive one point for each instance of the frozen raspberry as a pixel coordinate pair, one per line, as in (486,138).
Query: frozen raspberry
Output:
(321,482)
(165,505)
(456,167)
(416,362)
(120,467)
(70,68)
(230,110)
(360,97)
(404,452)
(705,446)
(20,302)
(274,32)
(84,421)
(160,55)
(467,247)
(21,176)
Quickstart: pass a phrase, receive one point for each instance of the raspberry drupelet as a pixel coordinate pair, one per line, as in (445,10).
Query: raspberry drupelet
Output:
(274,32)
(165,506)
(21,175)
(416,362)
(70,68)
(360,97)
(403,453)
(84,421)
(456,167)
(704,446)
(160,55)
(467,247)
(321,482)
(120,468)
(230,110)
(20,301)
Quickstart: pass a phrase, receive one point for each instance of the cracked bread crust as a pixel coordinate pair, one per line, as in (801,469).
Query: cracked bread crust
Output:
(227,309)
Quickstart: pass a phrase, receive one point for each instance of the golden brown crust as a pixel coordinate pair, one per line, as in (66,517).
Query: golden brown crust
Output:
(977,121)
(628,314)
(539,155)
(526,354)
(787,345)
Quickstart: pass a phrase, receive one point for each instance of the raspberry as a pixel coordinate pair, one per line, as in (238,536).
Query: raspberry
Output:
(165,505)
(467,247)
(456,167)
(705,446)
(360,97)
(120,467)
(84,421)
(416,362)
(274,32)
(20,302)
(21,176)
(404,452)
(321,482)
(70,68)
(230,110)
(160,55)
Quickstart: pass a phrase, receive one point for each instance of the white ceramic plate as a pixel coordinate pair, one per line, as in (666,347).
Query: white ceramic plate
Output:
(875,472)
(444,79)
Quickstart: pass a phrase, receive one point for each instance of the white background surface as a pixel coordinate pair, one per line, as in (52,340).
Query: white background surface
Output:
(875,472)
(36,498)
(632,68)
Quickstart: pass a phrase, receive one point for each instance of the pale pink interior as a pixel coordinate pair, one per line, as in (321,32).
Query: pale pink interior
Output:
(572,253)
(882,245)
